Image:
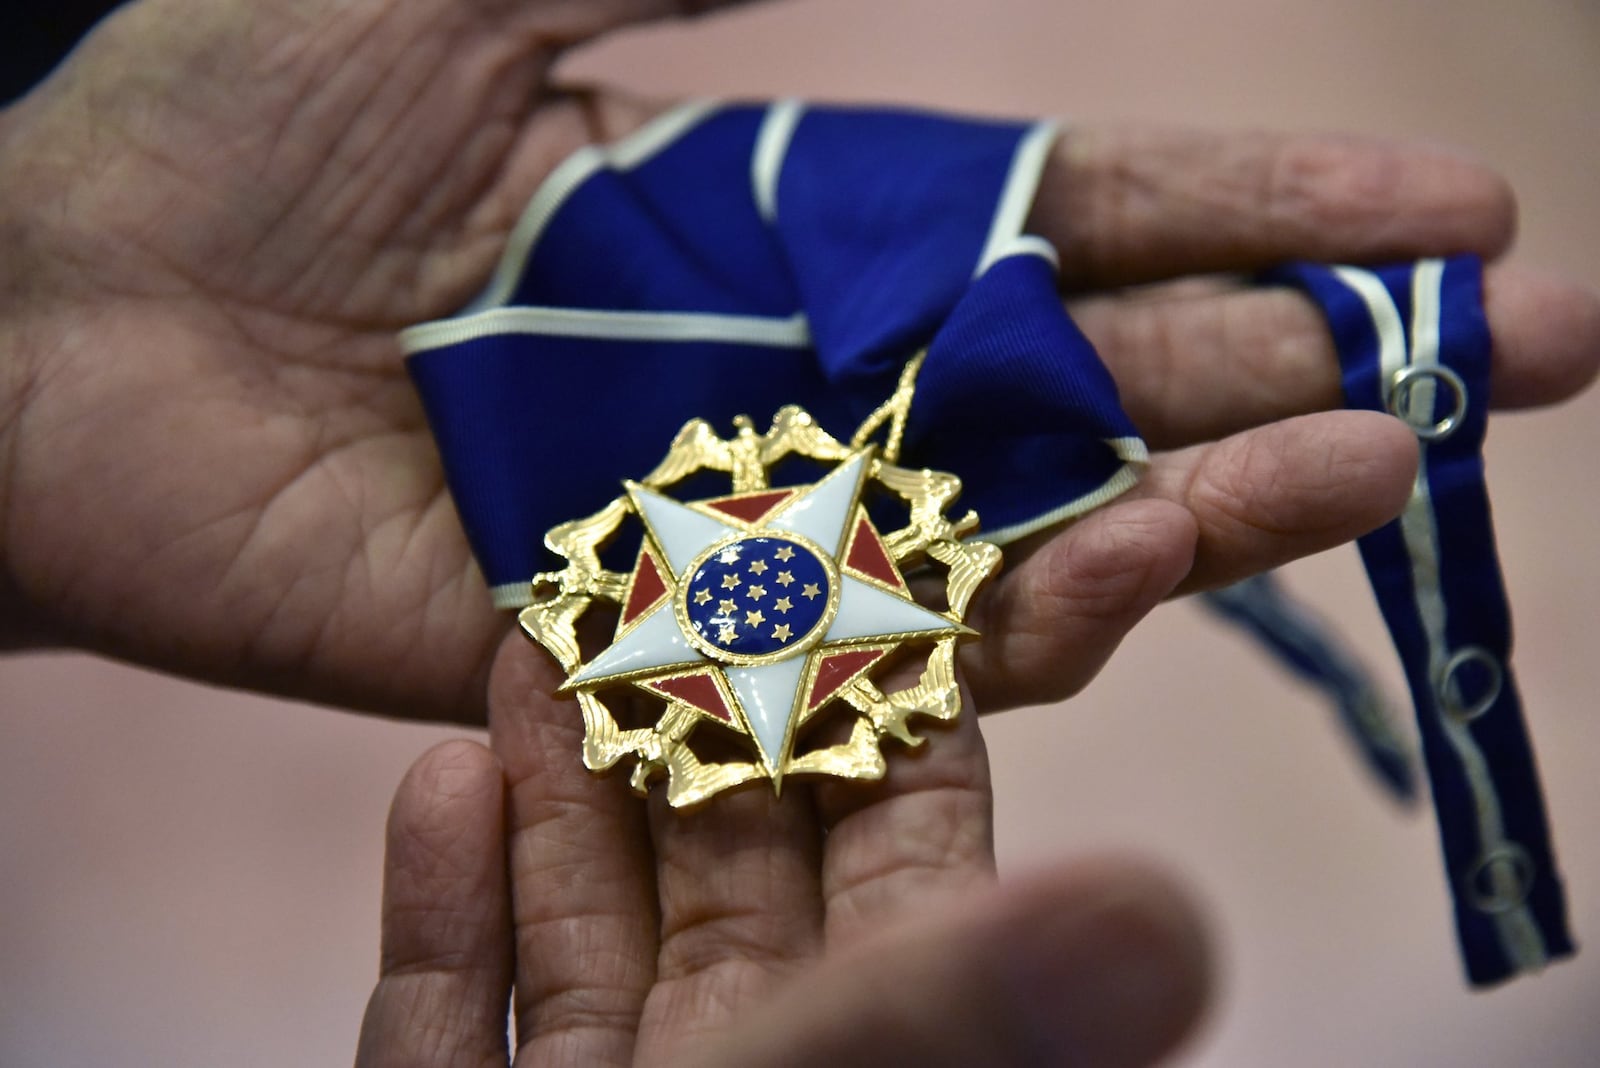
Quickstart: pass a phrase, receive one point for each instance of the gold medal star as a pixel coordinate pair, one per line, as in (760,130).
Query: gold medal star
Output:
(759,567)
(764,688)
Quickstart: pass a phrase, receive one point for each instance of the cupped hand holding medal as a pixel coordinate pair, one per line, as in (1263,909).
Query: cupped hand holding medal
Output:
(218,219)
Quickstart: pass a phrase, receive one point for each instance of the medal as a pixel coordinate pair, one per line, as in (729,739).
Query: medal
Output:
(752,614)
(728,264)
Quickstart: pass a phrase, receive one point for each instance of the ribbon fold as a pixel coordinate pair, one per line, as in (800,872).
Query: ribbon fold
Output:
(730,260)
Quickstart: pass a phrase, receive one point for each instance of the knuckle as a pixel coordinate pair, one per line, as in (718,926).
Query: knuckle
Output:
(701,941)
(576,1009)
(1239,489)
(1329,185)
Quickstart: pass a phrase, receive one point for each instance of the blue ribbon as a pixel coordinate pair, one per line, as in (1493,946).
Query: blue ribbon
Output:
(1310,650)
(1413,341)
(731,260)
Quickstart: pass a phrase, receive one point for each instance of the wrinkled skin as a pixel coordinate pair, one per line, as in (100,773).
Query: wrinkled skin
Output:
(215,218)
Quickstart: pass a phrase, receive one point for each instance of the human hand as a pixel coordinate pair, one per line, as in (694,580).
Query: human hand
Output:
(843,923)
(218,216)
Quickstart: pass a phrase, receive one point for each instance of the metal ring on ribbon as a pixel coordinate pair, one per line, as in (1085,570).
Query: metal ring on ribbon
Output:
(1448,688)
(1398,399)
(1500,879)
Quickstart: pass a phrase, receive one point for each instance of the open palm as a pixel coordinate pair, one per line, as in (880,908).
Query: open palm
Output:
(218,215)
(841,924)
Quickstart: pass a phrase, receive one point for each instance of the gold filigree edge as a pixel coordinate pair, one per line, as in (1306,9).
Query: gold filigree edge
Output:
(562,597)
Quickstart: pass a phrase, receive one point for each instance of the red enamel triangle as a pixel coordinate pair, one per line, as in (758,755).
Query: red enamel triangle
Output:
(868,556)
(697,690)
(751,506)
(839,669)
(648,588)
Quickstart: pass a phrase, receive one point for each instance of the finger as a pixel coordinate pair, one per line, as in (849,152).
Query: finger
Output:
(1195,361)
(923,835)
(1051,622)
(740,907)
(1202,517)
(583,900)
(445,977)
(1136,204)
(564,23)
(1099,964)
(1267,496)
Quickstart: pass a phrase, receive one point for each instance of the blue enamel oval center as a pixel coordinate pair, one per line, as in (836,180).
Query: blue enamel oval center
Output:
(757,596)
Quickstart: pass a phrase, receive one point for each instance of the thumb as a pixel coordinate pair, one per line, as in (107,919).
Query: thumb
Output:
(445,977)
(1099,963)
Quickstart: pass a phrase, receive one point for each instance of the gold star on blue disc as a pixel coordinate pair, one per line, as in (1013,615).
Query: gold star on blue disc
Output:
(748,554)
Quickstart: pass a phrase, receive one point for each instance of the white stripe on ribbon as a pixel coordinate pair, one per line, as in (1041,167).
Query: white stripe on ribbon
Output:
(511,595)
(1016,199)
(793,332)
(772,146)
(624,155)
(1135,457)
(1028,245)
(1519,935)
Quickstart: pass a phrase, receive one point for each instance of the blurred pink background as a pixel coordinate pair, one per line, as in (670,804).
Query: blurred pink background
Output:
(190,877)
